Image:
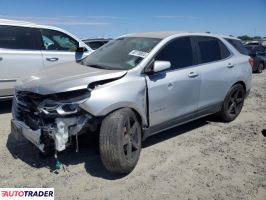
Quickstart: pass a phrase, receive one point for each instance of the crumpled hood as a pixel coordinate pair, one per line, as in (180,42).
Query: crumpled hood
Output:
(65,77)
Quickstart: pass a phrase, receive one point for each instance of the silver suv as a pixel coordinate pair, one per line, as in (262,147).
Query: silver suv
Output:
(129,89)
(26,48)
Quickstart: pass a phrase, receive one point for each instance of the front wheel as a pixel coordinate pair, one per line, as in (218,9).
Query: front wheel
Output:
(120,141)
(233,103)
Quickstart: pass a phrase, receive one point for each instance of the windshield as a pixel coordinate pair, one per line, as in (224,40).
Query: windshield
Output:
(123,53)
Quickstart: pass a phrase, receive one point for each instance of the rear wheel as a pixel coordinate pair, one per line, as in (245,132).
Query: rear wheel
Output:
(120,141)
(233,103)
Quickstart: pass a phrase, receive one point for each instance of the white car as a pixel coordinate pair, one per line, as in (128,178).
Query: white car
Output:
(26,48)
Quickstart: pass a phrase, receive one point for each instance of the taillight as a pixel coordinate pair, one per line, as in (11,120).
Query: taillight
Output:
(251,62)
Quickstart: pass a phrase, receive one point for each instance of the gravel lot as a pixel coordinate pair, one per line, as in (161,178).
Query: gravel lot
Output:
(205,159)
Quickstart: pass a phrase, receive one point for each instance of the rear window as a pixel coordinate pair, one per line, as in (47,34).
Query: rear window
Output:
(238,45)
(13,37)
(211,49)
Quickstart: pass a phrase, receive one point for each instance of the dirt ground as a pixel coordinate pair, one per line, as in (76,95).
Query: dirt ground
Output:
(205,159)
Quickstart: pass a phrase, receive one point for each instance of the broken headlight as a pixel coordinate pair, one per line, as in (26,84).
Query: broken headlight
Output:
(65,103)
(67,109)
(59,108)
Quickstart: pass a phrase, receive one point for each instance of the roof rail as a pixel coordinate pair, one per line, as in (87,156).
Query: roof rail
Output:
(8,21)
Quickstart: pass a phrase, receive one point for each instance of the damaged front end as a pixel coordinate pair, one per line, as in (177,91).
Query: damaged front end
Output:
(51,121)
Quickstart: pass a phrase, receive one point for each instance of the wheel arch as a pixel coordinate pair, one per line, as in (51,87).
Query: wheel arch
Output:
(140,118)
(140,115)
(241,83)
(238,82)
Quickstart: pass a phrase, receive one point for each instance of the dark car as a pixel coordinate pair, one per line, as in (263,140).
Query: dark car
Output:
(257,52)
(96,43)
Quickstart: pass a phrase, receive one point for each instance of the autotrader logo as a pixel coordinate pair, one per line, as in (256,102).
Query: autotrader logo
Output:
(27,193)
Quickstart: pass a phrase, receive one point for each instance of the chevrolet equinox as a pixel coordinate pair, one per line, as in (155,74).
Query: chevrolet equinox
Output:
(131,88)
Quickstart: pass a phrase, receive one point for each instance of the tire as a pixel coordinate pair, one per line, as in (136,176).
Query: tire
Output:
(233,103)
(120,141)
(260,68)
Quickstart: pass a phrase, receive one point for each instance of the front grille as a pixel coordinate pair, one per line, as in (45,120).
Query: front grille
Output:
(28,98)
(25,109)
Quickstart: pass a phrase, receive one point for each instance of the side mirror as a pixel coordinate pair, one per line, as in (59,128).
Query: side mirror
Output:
(161,65)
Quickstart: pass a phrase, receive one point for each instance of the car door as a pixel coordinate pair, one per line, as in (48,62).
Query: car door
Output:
(19,56)
(173,94)
(58,47)
(217,70)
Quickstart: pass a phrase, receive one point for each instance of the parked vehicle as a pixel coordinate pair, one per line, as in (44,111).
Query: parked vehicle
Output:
(257,48)
(96,43)
(259,57)
(26,48)
(263,43)
(132,88)
(252,43)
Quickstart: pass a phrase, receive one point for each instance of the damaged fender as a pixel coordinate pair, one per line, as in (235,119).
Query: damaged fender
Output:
(109,97)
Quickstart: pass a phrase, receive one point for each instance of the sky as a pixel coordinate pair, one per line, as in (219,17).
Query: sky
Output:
(112,18)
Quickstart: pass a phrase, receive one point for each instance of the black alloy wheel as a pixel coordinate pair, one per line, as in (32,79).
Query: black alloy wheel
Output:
(120,141)
(236,101)
(131,139)
(233,103)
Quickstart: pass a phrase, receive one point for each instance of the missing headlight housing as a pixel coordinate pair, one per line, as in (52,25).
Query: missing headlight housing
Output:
(65,103)
(67,109)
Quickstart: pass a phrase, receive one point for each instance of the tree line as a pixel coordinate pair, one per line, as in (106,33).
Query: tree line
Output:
(247,38)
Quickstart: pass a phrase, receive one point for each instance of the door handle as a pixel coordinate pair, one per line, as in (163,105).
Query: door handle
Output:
(230,65)
(192,74)
(52,59)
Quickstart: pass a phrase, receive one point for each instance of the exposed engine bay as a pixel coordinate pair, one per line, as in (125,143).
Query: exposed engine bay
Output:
(52,119)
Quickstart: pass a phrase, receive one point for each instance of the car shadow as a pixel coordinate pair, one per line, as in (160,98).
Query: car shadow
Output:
(5,106)
(176,131)
(88,151)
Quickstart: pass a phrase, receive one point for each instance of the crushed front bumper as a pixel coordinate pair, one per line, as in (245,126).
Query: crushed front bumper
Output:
(48,133)
(20,129)
(60,132)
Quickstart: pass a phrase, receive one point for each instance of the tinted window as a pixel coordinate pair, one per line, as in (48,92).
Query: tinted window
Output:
(55,40)
(178,52)
(224,51)
(211,49)
(12,37)
(238,45)
(96,44)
